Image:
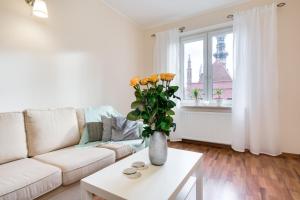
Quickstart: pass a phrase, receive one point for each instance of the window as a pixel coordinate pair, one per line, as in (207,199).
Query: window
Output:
(207,65)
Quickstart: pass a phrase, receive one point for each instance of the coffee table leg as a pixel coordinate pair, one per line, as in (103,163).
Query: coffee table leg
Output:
(85,195)
(199,181)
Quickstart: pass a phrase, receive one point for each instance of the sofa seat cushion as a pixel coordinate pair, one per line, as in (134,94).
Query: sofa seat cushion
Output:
(27,179)
(121,150)
(78,162)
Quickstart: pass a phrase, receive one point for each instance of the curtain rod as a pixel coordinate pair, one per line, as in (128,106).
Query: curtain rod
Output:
(180,29)
(279,5)
(230,16)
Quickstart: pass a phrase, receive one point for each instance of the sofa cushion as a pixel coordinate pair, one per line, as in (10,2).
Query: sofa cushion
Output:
(124,129)
(95,131)
(27,179)
(121,150)
(52,129)
(107,128)
(80,119)
(78,162)
(12,137)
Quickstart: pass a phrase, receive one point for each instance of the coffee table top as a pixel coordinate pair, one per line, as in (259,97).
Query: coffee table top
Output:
(156,182)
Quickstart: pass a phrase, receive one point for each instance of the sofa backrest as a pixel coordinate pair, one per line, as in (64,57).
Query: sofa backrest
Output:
(12,137)
(81,119)
(51,129)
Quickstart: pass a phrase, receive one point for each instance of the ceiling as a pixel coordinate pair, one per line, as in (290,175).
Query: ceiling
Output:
(150,13)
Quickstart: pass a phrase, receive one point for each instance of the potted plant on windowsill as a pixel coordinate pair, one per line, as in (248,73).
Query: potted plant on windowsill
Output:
(153,105)
(218,93)
(196,93)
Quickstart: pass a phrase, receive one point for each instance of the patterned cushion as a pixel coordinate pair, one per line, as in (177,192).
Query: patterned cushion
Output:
(124,129)
(95,131)
(107,128)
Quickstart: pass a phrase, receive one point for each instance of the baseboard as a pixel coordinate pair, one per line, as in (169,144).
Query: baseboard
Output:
(227,146)
(293,155)
(211,144)
(175,139)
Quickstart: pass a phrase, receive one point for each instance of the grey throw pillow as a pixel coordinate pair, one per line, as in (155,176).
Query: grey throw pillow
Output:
(123,129)
(95,131)
(107,132)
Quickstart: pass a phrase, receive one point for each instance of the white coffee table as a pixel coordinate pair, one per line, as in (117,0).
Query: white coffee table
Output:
(179,178)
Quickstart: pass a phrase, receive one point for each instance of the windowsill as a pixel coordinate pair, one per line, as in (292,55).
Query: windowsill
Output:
(201,105)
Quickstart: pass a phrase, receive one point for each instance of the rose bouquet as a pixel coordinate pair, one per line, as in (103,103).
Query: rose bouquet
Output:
(154,103)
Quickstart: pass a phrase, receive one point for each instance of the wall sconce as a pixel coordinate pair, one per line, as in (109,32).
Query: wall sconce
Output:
(39,8)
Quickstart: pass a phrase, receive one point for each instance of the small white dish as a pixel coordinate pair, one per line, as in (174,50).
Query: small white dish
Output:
(130,171)
(138,164)
(143,168)
(134,176)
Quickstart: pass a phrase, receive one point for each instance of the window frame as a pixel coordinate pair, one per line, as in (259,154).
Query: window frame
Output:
(187,39)
(210,35)
(207,36)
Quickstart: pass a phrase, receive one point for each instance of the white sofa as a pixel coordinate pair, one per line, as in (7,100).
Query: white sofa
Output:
(39,152)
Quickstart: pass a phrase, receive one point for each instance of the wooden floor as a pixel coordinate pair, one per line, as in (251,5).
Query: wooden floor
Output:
(229,175)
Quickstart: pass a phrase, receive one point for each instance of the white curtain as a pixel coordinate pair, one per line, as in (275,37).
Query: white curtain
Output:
(166,59)
(166,53)
(255,111)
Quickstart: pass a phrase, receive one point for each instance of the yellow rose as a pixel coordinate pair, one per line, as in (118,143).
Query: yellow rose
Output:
(154,78)
(144,81)
(163,76)
(169,76)
(134,81)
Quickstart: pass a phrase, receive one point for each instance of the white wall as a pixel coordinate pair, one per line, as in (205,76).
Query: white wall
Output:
(84,54)
(215,127)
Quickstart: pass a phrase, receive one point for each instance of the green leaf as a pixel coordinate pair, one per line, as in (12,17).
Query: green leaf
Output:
(164,126)
(141,108)
(153,114)
(160,88)
(171,104)
(136,104)
(174,88)
(169,119)
(176,97)
(171,90)
(163,97)
(147,132)
(145,116)
(138,94)
(152,101)
(133,115)
(170,112)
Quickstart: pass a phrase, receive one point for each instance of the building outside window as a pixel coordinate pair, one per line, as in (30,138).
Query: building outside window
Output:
(207,65)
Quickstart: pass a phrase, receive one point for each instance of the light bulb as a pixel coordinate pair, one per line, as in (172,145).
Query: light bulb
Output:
(40,9)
